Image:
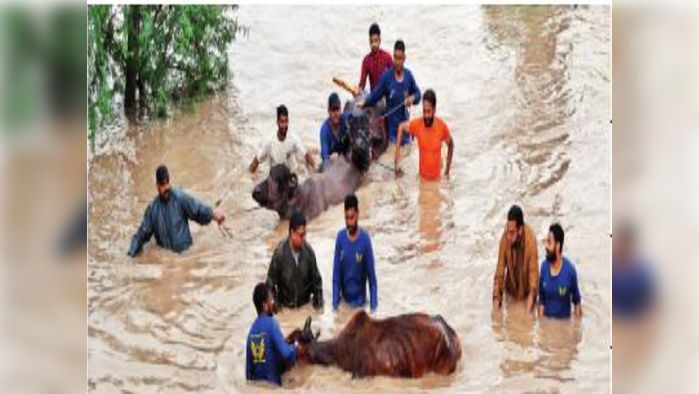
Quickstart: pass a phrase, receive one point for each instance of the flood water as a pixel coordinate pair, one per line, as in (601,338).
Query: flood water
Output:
(526,94)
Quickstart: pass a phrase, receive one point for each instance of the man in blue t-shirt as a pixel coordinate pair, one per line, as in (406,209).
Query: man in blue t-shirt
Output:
(354,261)
(398,86)
(558,281)
(633,282)
(267,353)
(332,131)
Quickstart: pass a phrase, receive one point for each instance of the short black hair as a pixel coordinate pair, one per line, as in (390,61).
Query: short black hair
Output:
(334,101)
(515,214)
(259,295)
(296,220)
(162,175)
(374,30)
(282,111)
(351,202)
(558,234)
(399,46)
(430,97)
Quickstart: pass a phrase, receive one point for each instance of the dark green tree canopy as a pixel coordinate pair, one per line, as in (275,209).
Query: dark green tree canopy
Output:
(147,56)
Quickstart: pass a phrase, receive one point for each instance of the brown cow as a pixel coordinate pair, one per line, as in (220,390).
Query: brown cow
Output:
(406,346)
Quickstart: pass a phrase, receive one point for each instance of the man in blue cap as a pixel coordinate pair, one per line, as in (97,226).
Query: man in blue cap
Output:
(167,217)
(332,131)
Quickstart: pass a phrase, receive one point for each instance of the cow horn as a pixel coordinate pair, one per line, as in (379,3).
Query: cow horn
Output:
(307,325)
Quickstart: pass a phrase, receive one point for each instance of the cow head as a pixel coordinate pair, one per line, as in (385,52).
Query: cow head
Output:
(358,135)
(378,137)
(303,336)
(277,190)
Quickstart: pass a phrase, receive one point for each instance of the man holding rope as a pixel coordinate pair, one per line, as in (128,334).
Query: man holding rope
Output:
(399,88)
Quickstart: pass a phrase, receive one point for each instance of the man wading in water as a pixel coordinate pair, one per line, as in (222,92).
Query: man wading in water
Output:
(167,217)
(517,267)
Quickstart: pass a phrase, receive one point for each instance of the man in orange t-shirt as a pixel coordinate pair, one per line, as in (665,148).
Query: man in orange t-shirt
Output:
(430,132)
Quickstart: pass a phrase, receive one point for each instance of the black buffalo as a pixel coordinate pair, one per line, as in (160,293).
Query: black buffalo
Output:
(364,141)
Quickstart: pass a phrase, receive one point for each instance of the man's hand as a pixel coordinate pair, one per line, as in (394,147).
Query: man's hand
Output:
(219,217)
(334,156)
(360,104)
(397,170)
(531,306)
(496,306)
(310,162)
(409,101)
(254,164)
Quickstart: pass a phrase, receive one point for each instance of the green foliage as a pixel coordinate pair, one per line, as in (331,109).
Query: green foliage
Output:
(180,53)
(42,66)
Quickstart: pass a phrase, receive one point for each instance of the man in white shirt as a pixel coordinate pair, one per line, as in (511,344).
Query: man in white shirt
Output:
(285,149)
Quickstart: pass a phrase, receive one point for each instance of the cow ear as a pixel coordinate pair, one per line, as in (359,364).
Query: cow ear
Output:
(293,181)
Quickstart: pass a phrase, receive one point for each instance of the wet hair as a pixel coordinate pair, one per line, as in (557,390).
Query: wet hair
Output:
(399,46)
(430,97)
(282,111)
(351,202)
(259,295)
(162,175)
(374,30)
(296,220)
(515,214)
(558,234)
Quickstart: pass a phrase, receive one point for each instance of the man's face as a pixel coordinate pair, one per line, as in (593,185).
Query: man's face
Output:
(428,113)
(513,232)
(282,127)
(351,219)
(398,60)
(164,190)
(551,249)
(334,114)
(375,42)
(268,306)
(297,236)
(622,249)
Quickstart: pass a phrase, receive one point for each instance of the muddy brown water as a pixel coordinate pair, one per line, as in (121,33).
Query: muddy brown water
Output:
(526,94)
